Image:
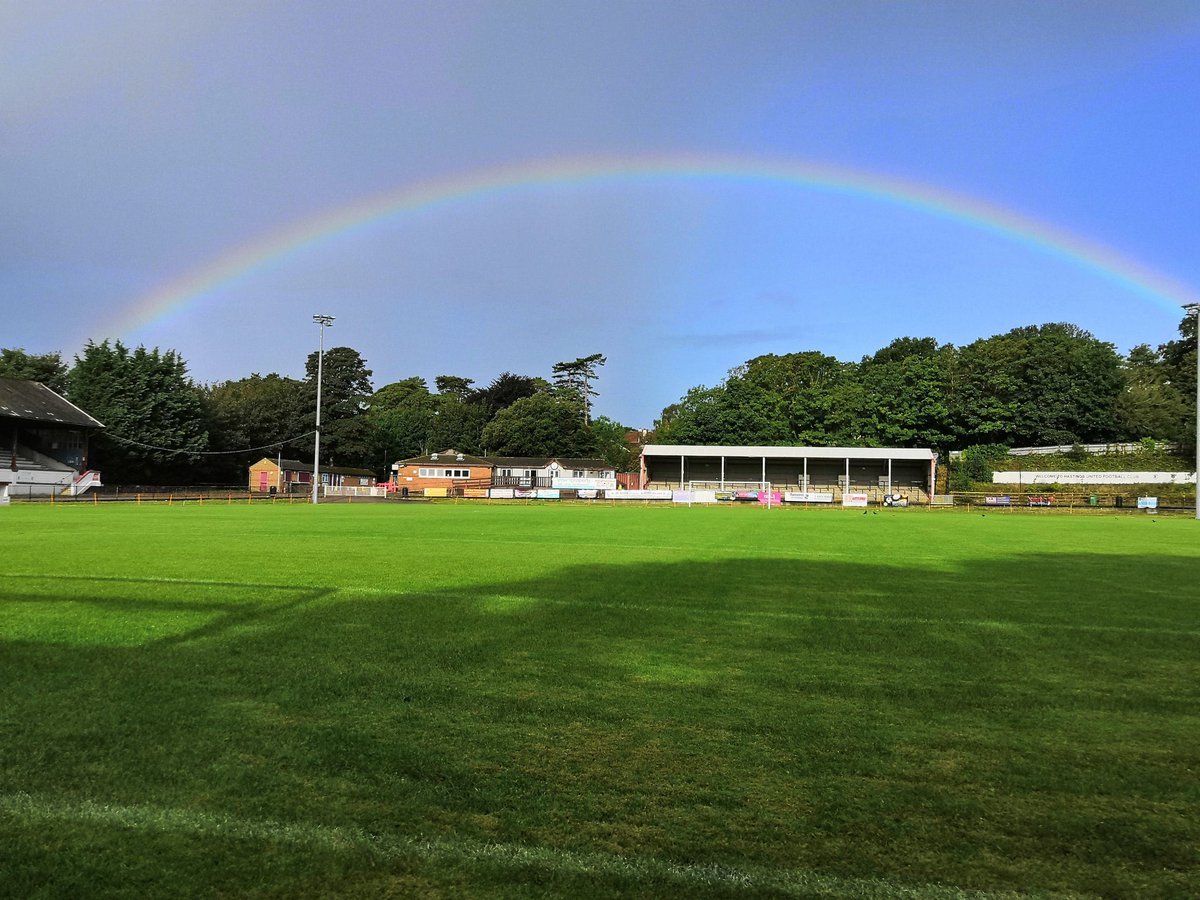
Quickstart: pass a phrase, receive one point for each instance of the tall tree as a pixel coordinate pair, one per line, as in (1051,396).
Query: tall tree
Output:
(47,368)
(804,385)
(546,424)
(610,444)
(907,394)
(455,385)
(250,413)
(400,416)
(1150,405)
(1040,384)
(401,394)
(576,377)
(457,424)
(1179,361)
(737,411)
(1179,358)
(506,389)
(143,397)
(345,391)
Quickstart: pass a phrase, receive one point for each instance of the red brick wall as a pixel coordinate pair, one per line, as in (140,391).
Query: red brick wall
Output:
(408,476)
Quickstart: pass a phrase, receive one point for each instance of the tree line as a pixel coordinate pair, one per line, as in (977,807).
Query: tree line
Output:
(1036,385)
(1032,386)
(161,427)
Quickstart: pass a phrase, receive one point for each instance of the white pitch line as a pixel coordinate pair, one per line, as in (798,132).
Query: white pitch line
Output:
(792,882)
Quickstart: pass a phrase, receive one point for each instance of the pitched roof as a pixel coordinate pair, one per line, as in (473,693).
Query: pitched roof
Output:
(294,465)
(570,462)
(31,401)
(540,462)
(447,458)
(450,457)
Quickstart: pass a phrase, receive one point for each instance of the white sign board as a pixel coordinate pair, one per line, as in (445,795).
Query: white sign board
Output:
(1147,503)
(808,497)
(587,484)
(1093,477)
(695,497)
(854,499)
(638,495)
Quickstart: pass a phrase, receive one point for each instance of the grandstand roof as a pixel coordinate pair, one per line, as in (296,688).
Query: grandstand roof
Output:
(31,401)
(920,453)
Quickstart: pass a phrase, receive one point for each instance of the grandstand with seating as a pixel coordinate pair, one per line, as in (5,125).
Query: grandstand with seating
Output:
(43,442)
(878,472)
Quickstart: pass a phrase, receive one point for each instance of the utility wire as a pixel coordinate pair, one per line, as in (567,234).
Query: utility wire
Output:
(117,437)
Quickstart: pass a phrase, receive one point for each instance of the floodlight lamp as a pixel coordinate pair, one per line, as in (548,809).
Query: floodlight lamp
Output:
(324,320)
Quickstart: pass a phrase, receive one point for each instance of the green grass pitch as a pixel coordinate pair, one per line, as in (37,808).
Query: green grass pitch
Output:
(514,701)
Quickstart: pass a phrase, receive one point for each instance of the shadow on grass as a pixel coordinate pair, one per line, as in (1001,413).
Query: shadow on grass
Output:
(66,609)
(995,725)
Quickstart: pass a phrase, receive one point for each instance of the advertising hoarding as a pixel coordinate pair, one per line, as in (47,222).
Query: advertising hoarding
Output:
(808,497)
(587,484)
(1093,477)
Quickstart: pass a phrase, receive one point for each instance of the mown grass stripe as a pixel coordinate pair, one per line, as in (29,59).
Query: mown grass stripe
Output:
(789,882)
(870,620)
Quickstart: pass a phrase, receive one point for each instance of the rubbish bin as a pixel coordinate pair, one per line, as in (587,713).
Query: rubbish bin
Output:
(1093,500)
(1120,501)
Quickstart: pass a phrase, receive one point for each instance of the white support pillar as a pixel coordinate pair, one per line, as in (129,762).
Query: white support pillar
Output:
(722,473)
(889,476)
(763,483)
(805,474)
(681,458)
(846,489)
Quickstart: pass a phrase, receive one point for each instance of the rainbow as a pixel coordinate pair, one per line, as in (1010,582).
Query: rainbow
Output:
(276,248)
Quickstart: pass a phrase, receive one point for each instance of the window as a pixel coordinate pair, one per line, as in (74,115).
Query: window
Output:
(577,473)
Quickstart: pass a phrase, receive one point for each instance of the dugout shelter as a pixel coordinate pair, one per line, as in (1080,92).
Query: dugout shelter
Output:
(875,471)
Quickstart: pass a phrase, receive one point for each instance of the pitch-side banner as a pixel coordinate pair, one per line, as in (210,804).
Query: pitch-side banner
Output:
(854,499)
(1093,477)
(637,495)
(695,497)
(808,497)
(586,484)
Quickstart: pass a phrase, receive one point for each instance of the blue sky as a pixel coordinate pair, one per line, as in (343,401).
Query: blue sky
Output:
(141,142)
